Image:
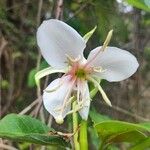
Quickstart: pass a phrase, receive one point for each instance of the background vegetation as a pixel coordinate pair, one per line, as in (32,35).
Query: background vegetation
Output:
(20,57)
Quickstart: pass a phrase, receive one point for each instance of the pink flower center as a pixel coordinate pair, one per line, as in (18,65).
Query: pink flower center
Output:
(79,71)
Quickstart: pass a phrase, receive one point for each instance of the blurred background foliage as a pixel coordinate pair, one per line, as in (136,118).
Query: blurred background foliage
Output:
(20,58)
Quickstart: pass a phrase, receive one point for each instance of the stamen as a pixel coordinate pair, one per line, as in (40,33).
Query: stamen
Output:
(78,107)
(82,91)
(67,103)
(72,60)
(66,97)
(78,91)
(99,69)
(84,97)
(101,90)
(109,35)
(70,100)
(57,87)
(108,38)
(59,118)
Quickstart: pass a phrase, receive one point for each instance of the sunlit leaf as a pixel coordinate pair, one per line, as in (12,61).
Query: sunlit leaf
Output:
(142,145)
(119,131)
(28,129)
(129,136)
(31,79)
(141,4)
(146,125)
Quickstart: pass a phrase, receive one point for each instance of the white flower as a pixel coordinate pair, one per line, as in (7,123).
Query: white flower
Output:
(62,47)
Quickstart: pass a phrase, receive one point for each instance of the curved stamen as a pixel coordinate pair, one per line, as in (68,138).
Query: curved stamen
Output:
(59,119)
(99,69)
(61,82)
(78,91)
(82,91)
(78,107)
(71,60)
(101,90)
(109,35)
(55,88)
(67,103)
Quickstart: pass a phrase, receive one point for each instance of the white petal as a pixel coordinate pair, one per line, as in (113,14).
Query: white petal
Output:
(86,101)
(53,101)
(56,39)
(118,64)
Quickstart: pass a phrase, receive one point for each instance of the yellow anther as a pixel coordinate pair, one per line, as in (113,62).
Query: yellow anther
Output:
(99,69)
(108,38)
(72,60)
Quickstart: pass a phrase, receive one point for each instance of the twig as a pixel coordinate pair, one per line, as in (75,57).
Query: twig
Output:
(121,110)
(39,12)
(7,147)
(29,107)
(21,77)
(130,114)
(17,6)
(41,115)
(77,12)
(37,110)
(0,95)
(11,87)
(59,10)
(50,119)
(3,45)
(38,58)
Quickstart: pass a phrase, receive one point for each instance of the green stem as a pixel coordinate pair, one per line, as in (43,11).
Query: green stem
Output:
(83,136)
(101,146)
(75,127)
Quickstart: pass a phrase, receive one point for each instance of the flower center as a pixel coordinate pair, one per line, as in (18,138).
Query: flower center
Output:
(80,73)
(78,68)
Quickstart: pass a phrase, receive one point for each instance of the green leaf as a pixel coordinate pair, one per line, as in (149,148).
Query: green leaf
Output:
(141,4)
(28,129)
(119,131)
(31,80)
(142,145)
(146,125)
(4,84)
(89,34)
(94,138)
(129,136)
(97,118)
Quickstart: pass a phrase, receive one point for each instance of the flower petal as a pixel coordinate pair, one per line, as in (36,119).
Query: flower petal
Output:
(53,101)
(118,64)
(56,39)
(86,101)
